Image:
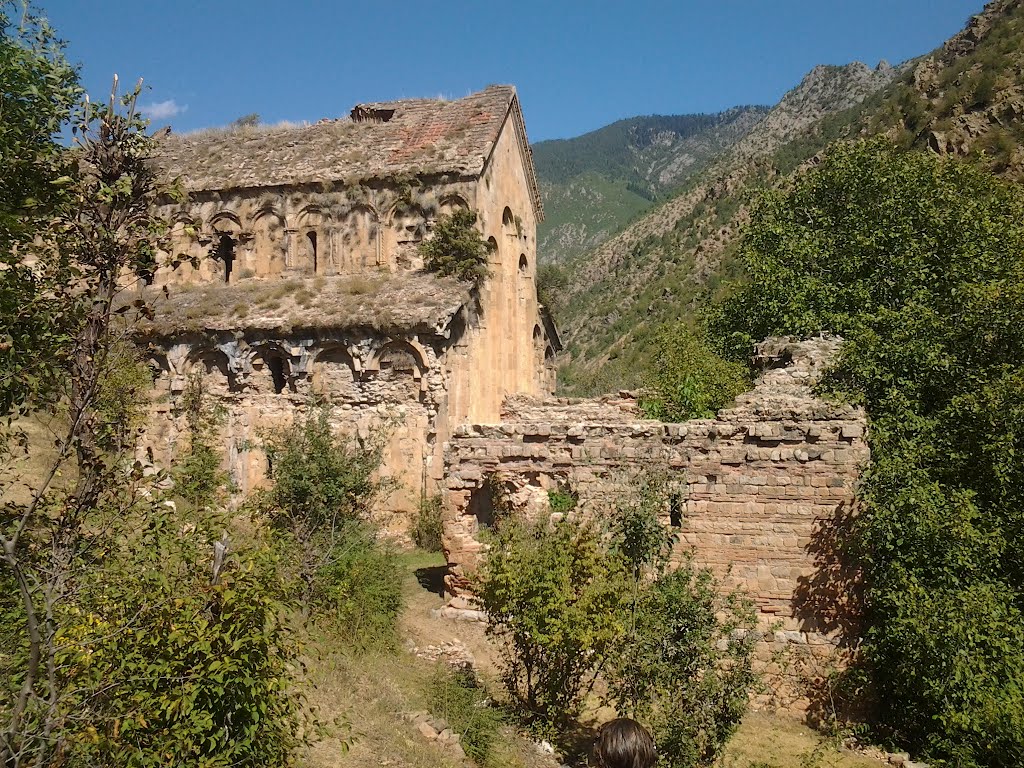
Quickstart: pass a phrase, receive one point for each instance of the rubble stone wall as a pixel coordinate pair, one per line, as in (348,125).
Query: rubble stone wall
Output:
(760,493)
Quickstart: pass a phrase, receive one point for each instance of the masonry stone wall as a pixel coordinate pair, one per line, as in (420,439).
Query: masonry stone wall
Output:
(760,493)
(374,385)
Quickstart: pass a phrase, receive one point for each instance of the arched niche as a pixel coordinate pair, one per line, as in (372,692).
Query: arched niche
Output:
(358,231)
(269,236)
(407,226)
(493,250)
(400,366)
(210,367)
(160,369)
(452,203)
(509,228)
(311,241)
(334,374)
(271,371)
(524,265)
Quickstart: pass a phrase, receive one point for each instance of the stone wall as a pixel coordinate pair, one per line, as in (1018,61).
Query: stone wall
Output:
(374,385)
(760,493)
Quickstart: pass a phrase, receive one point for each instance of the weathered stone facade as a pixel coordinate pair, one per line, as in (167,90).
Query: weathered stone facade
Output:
(298,275)
(759,493)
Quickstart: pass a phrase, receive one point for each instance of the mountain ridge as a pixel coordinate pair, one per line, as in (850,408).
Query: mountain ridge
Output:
(594,184)
(965,99)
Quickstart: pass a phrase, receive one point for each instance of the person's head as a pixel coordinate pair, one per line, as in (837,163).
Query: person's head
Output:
(624,743)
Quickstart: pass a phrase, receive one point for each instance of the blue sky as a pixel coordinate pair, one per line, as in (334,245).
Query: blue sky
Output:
(578,65)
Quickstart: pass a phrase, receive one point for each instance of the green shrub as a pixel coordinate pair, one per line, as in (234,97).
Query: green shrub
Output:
(358,589)
(457,696)
(689,380)
(456,248)
(198,477)
(427,527)
(561,501)
(682,664)
(323,487)
(175,663)
(553,597)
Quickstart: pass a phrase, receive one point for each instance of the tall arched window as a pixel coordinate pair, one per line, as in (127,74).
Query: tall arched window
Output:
(226,255)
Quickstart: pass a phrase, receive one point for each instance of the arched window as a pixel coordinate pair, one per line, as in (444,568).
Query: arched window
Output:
(226,255)
(524,265)
(211,366)
(269,230)
(311,250)
(509,228)
(270,371)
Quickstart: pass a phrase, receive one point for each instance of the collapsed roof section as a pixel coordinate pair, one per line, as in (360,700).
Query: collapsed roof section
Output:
(404,303)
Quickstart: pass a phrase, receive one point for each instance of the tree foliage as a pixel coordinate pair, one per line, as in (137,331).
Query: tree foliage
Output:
(456,248)
(323,487)
(688,379)
(575,604)
(38,89)
(554,599)
(130,634)
(916,262)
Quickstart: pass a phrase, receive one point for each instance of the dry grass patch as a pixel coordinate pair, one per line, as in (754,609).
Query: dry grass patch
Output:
(373,690)
(771,741)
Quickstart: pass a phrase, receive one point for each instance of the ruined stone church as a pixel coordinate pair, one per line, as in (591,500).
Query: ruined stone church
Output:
(310,284)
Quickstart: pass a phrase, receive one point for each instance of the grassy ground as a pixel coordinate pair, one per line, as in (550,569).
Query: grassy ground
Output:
(372,691)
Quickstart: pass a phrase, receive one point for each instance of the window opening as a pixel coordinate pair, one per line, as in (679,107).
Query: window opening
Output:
(311,236)
(226,253)
(675,510)
(276,367)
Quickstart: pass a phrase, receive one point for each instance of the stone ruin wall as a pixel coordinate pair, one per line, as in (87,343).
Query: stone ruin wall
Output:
(374,385)
(762,494)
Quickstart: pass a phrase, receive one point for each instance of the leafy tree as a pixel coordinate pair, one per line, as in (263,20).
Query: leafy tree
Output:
(323,487)
(555,598)
(38,89)
(916,262)
(456,248)
(688,379)
(575,604)
(120,643)
(683,663)
(184,665)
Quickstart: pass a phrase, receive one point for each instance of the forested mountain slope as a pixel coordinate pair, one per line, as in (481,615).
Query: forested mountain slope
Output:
(594,184)
(966,98)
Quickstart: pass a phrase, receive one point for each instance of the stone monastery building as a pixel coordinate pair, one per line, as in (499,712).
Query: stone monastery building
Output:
(310,283)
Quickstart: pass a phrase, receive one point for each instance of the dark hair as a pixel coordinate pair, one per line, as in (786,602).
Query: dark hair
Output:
(624,743)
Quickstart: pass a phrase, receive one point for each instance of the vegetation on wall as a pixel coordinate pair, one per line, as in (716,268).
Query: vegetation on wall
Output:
(916,262)
(689,380)
(456,248)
